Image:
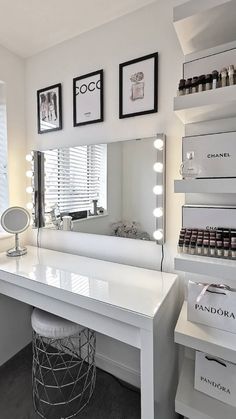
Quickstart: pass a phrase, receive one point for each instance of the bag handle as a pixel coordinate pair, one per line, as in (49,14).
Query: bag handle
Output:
(216,286)
(208,358)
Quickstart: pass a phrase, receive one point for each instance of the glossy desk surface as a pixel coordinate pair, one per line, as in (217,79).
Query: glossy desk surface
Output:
(137,290)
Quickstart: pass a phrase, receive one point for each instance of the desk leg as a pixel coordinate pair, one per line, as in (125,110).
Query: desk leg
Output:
(147,375)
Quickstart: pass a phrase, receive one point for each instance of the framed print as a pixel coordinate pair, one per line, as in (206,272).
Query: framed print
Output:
(49,109)
(88,98)
(139,86)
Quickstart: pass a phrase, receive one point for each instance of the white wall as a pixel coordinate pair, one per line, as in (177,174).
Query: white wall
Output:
(147,30)
(14,317)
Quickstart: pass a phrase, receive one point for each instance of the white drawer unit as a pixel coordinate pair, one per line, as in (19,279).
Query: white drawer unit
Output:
(215,154)
(208,217)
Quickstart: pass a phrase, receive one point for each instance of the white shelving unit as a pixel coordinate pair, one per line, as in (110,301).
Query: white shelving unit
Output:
(205,106)
(204,338)
(204,24)
(195,405)
(222,269)
(206,186)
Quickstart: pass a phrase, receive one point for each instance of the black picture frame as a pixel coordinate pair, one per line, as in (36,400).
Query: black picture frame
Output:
(154,109)
(54,112)
(100,73)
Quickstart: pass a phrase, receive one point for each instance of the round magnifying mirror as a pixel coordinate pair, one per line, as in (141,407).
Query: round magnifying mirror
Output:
(15,220)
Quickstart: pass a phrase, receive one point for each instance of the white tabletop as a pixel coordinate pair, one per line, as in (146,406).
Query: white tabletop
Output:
(135,289)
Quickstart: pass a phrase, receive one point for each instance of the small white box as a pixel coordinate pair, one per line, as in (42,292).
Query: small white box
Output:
(208,217)
(213,306)
(215,377)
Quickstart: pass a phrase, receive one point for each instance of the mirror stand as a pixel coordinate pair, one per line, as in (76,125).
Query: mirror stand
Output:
(17,250)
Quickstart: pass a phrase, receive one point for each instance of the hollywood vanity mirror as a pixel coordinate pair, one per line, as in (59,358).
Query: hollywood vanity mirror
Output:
(115,189)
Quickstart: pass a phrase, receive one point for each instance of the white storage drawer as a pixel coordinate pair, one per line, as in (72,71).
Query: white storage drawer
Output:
(208,217)
(215,154)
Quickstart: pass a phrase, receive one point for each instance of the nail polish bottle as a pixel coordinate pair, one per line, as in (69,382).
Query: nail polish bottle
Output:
(226,249)
(193,243)
(212,248)
(199,246)
(180,245)
(233,250)
(205,247)
(219,248)
(186,246)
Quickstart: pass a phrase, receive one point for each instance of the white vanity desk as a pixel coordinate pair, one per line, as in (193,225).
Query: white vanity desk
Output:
(134,305)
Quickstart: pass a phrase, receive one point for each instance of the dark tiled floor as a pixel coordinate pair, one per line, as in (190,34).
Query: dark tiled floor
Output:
(111,400)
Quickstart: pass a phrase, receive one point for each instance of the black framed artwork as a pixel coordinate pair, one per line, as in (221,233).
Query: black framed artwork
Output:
(49,104)
(88,98)
(138,86)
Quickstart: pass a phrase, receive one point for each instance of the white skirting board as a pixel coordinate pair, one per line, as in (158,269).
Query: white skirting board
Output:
(119,370)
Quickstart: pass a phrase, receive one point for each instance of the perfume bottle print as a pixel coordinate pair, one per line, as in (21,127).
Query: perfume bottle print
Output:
(137,87)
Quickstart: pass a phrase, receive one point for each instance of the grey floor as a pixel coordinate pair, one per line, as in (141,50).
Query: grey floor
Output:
(111,400)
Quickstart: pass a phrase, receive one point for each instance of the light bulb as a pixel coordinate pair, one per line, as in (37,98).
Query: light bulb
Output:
(158,144)
(158,235)
(29,173)
(29,157)
(29,189)
(158,190)
(29,205)
(158,212)
(158,167)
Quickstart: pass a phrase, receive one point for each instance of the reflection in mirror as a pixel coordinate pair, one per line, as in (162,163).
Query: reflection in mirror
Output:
(114,189)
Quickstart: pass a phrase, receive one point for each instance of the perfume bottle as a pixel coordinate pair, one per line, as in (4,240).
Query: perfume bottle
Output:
(137,86)
(189,169)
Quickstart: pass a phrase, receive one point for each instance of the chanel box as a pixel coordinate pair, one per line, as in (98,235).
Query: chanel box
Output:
(215,377)
(208,217)
(214,155)
(212,306)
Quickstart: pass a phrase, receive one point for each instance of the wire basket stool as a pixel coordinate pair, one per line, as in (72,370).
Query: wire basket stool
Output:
(63,374)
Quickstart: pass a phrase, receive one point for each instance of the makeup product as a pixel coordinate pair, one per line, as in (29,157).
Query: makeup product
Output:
(219,248)
(180,245)
(205,247)
(224,77)
(201,83)
(215,78)
(181,90)
(208,82)
(195,84)
(186,246)
(231,75)
(233,250)
(226,249)
(212,247)
(199,246)
(188,86)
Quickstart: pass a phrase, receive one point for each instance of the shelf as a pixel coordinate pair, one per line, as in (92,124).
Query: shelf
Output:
(204,338)
(196,405)
(204,24)
(202,265)
(205,106)
(206,186)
